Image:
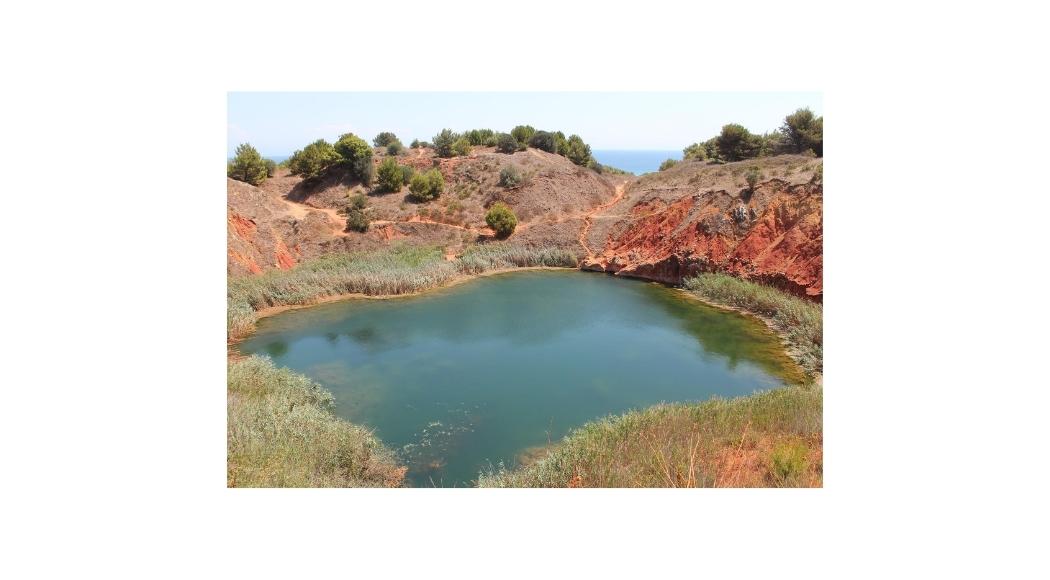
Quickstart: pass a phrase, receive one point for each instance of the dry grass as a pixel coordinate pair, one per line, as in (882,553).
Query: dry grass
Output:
(281,433)
(771,439)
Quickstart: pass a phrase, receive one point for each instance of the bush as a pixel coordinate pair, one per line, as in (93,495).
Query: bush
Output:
(668,163)
(248,166)
(506,143)
(818,175)
(461,147)
(752,176)
(357,156)
(561,144)
(501,219)
(804,132)
(736,143)
(694,152)
(444,141)
(383,139)
(415,144)
(787,465)
(479,137)
(395,148)
(390,175)
(406,173)
(271,167)
(356,220)
(522,134)
(577,151)
(426,186)
(544,141)
(314,159)
(510,176)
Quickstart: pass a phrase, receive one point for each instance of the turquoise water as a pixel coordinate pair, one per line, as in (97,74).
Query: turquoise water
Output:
(465,377)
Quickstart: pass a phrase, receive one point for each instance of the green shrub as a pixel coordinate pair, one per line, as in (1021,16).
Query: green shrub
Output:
(359,201)
(695,152)
(395,148)
(522,134)
(271,167)
(510,176)
(544,141)
(577,151)
(406,173)
(668,163)
(479,137)
(818,175)
(314,159)
(461,147)
(752,176)
(506,143)
(357,157)
(561,144)
(385,138)
(415,144)
(443,143)
(357,220)
(248,166)
(788,465)
(426,186)
(501,219)
(390,176)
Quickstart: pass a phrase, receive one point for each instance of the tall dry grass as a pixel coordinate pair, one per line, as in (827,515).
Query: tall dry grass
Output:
(281,433)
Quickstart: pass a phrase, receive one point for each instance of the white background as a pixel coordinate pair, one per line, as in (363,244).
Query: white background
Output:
(113,430)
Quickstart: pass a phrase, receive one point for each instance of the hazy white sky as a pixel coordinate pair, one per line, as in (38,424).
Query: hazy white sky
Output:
(279,123)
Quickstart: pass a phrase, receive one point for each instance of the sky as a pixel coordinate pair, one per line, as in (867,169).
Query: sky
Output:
(279,123)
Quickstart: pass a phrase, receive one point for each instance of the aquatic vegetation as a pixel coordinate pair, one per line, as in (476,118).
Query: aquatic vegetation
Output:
(399,270)
(767,439)
(281,433)
(799,321)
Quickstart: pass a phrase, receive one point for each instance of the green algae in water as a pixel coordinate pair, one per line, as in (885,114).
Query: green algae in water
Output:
(476,374)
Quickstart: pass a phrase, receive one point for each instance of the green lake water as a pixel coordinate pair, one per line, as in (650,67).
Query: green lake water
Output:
(458,379)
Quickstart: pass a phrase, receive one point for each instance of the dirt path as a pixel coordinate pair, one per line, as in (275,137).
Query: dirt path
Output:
(589,216)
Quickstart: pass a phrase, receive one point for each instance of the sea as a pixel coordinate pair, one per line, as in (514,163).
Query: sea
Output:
(636,161)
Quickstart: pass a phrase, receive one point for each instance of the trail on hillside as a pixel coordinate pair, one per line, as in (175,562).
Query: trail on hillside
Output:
(589,216)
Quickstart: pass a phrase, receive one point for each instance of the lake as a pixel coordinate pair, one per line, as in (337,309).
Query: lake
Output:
(465,377)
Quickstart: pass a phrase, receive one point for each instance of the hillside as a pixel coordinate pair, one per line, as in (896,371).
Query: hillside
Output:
(663,226)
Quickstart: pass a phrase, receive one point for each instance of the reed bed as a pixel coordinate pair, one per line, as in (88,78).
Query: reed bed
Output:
(400,270)
(799,321)
(770,439)
(281,433)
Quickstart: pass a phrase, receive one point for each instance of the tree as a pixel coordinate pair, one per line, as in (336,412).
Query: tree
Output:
(383,139)
(357,156)
(509,176)
(736,143)
(501,219)
(479,137)
(415,144)
(668,163)
(522,134)
(271,167)
(461,147)
(406,173)
(313,160)
(248,166)
(395,148)
(426,186)
(696,152)
(561,143)
(390,176)
(804,131)
(577,151)
(506,143)
(544,141)
(443,142)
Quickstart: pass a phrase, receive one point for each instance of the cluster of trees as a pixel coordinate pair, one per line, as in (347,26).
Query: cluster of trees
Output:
(501,219)
(390,142)
(448,143)
(801,132)
(248,166)
(350,152)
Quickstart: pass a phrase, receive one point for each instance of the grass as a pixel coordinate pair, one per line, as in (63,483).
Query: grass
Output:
(399,270)
(799,321)
(281,433)
(770,439)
